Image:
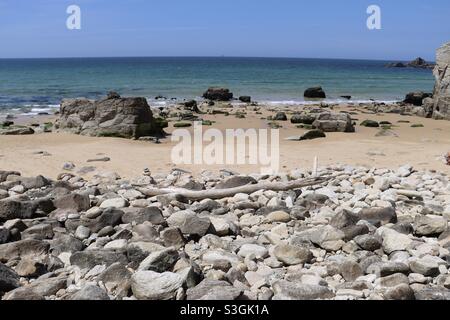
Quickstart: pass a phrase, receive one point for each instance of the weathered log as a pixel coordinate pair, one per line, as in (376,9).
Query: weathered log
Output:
(230,192)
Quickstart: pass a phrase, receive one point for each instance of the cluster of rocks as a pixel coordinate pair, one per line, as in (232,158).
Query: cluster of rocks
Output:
(417,63)
(365,233)
(111,117)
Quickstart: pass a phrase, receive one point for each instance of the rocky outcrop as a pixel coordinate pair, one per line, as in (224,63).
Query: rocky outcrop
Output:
(218,94)
(111,117)
(441,96)
(418,63)
(334,122)
(315,92)
(416,98)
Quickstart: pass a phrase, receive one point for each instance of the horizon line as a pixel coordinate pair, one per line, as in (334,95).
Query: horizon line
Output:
(223,56)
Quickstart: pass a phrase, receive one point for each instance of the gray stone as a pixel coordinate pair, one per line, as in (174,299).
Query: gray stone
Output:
(149,285)
(292,255)
(213,290)
(284,290)
(90,292)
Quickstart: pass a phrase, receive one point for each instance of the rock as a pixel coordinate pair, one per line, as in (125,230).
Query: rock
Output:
(90,292)
(420,63)
(109,218)
(284,290)
(160,261)
(441,95)
(429,225)
(90,258)
(16,131)
(30,268)
(189,223)
(304,118)
(378,215)
(278,216)
(328,238)
(292,255)
(213,290)
(172,236)
(315,92)
(9,280)
(370,124)
(112,117)
(73,201)
(400,292)
(82,233)
(141,215)
(12,209)
(260,252)
(114,203)
(39,232)
(368,242)
(246,99)
(425,266)
(416,98)
(392,280)
(149,285)
(235,181)
(5,235)
(38,289)
(343,219)
(23,248)
(394,241)
(312,134)
(351,270)
(191,105)
(218,94)
(334,122)
(280,116)
(436,293)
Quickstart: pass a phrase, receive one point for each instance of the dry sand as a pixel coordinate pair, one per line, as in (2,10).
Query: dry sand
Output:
(421,147)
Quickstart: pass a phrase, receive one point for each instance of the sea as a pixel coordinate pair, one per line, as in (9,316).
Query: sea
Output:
(31,86)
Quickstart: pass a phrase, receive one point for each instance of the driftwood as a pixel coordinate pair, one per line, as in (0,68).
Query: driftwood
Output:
(230,192)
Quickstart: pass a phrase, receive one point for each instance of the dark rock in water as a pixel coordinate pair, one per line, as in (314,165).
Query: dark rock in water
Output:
(235,181)
(313,134)
(416,98)
(315,92)
(396,65)
(246,99)
(304,118)
(111,117)
(9,280)
(346,97)
(113,95)
(7,123)
(91,258)
(334,122)
(370,124)
(218,94)
(280,116)
(90,292)
(420,63)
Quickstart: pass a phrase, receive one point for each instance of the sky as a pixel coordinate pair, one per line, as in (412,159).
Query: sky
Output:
(243,28)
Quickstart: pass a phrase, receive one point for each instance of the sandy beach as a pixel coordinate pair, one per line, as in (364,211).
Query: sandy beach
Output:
(421,147)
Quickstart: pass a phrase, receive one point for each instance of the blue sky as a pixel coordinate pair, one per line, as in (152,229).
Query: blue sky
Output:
(262,28)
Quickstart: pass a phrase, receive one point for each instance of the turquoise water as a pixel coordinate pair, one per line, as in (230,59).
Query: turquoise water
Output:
(33,85)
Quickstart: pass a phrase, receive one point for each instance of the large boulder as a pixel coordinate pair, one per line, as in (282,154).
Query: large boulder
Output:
(416,98)
(441,96)
(334,122)
(315,92)
(218,94)
(111,117)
